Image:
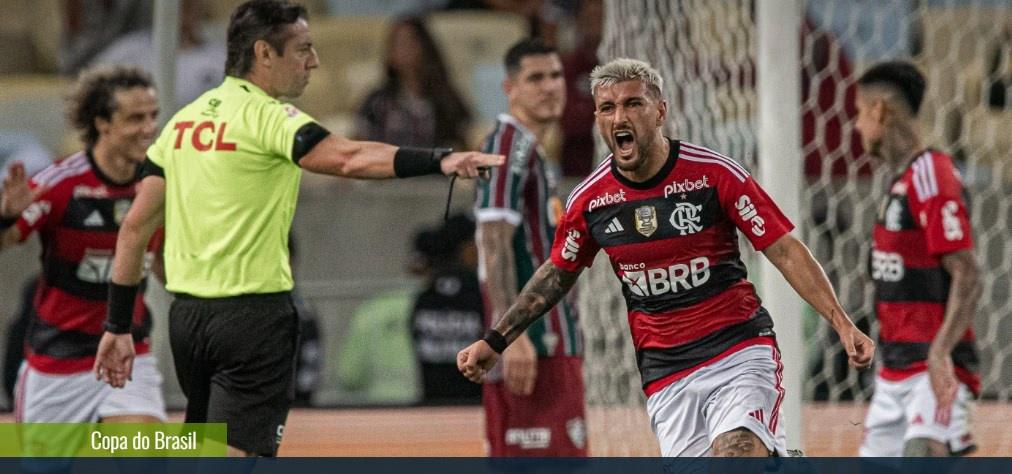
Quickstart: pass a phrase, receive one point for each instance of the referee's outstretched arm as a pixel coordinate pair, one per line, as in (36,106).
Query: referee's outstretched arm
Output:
(340,156)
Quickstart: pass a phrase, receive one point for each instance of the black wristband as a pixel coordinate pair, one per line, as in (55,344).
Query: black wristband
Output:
(495,340)
(8,222)
(409,162)
(120,317)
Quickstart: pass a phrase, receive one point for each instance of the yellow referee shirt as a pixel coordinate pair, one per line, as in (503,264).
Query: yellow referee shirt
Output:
(231,189)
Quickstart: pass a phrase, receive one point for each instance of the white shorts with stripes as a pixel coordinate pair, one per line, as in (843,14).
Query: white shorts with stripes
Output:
(905,409)
(742,390)
(80,398)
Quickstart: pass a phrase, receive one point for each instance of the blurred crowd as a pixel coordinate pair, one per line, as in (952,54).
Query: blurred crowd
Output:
(414,101)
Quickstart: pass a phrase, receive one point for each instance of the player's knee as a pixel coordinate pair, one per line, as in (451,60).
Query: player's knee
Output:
(924,447)
(738,443)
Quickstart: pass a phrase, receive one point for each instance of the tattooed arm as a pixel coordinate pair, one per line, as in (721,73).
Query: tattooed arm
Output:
(546,288)
(495,249)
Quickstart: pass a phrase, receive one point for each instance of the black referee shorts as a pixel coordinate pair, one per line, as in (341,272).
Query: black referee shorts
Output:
(235,361)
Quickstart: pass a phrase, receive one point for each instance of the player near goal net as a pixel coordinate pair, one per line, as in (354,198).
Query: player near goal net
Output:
(667,214)
(925,274)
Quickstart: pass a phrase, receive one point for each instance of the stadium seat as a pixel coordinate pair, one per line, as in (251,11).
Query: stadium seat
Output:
(351,55)
(30,47)
(221,10)
(35,103)
(987,139)
(472,39)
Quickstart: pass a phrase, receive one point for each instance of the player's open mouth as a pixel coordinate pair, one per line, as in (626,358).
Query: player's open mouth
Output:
(625,142)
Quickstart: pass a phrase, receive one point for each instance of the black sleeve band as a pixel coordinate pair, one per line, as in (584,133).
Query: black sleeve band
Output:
(306,137)
(7,222)
(495,340)
(409,162)
(121,308)
(149,168)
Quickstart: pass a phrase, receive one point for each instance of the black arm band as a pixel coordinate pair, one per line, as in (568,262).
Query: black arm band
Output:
(121,308)
(149,168)
(495,340)
(410,161)
(8,222)
(306,137)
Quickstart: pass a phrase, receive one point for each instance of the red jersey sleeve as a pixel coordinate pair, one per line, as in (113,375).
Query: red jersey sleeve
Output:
(36,215)
(574,248)
(157,242)
(751,209)
(938,205)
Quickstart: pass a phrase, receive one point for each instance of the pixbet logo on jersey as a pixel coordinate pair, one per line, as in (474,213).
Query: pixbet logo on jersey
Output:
(606,199)
(686,186)
(747,212)
(658,281)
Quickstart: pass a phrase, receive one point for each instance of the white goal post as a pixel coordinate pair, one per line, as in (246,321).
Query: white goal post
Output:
(771,84)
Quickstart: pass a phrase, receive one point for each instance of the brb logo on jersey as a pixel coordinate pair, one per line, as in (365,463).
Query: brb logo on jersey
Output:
(658,281)
(686,186)
(748,212)
(685,218)
(606,199)
(572,246)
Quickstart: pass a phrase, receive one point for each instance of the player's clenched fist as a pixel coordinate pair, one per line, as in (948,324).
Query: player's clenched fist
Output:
(860,348)
(476,360)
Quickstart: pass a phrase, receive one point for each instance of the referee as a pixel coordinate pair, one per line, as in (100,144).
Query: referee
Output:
(223,177)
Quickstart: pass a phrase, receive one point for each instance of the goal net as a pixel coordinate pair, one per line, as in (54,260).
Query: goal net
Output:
(706,52)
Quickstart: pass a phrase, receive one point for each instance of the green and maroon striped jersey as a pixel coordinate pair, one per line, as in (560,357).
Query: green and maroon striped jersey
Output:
(523,192)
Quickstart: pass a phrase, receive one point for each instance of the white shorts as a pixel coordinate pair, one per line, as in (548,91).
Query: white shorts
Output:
(904,410)
(742,390)
(80,398)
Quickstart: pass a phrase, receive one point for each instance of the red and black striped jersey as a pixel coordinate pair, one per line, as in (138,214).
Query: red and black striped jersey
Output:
(673,244)
(77,218)
(523,192)
(923,217)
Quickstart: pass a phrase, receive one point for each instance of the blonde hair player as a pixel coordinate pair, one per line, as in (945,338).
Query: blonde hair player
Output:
(668,213)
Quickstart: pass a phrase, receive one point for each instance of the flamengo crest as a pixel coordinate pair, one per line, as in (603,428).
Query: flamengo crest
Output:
(685,218)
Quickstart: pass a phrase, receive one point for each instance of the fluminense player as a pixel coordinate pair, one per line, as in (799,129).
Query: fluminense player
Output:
(535,406)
